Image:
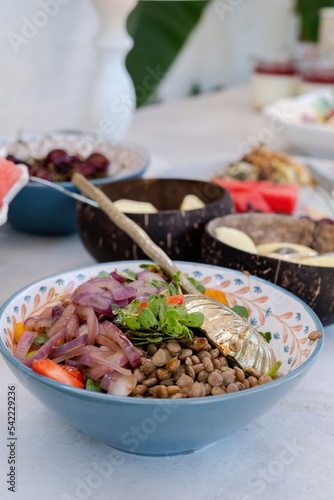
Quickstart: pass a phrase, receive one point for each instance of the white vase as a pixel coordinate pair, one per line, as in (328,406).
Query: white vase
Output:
(113,99)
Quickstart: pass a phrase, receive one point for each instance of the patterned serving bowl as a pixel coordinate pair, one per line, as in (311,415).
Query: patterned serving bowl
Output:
(39,209)
(165,427)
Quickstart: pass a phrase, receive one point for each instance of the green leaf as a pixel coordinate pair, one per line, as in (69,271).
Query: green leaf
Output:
(157,320)
(197,285)
(187,333)
(241,310)
(133,307)
(177,282)
(159,30)
(29,354)
(150,340)
(266,336)
(172,290)
(171,320)
(178,329)
(181,310)
(194,320)
(103,274)
(93,385)
(147,319)
(132,323)
(158,284)
(151,267)
(309,13)
(128,274)
(115,309)
(157,304)
(274,369)
(40,339)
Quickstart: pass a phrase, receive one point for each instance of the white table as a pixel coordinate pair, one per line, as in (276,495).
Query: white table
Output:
(54,459)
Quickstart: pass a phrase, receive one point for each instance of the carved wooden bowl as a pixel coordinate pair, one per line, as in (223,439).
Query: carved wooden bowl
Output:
(177,232)
(313,284)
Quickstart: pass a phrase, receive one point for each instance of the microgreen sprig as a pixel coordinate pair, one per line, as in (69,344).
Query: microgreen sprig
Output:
(157,322)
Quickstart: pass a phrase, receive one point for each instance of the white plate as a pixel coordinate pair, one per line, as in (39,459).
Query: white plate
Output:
(127,161)
(285,117)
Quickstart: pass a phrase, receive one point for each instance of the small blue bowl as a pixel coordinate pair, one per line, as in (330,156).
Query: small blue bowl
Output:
(166,427)
(39,209)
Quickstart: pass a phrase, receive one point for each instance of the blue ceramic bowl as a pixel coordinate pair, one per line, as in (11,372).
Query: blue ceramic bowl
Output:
(166,427)
(39,209)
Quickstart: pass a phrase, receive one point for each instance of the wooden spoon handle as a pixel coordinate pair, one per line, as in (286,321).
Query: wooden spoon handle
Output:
(133,230)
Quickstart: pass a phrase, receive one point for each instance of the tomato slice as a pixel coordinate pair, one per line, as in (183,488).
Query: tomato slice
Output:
(50,369)
(175,300)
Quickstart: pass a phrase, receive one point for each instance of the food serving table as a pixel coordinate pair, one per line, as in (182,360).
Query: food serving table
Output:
(288,453)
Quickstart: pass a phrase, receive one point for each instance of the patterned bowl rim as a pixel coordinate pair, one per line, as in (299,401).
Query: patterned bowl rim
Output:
(130,146)
(106,398)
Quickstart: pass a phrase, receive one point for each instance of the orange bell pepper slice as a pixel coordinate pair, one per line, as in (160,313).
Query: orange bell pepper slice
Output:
(216,294)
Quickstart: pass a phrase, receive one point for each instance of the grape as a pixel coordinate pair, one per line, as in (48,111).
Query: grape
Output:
(43,174)
(58,165)
(58,157)
(15,160)
(85,169)
(98,161)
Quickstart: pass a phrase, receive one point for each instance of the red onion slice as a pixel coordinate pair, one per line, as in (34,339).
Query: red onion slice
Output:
(72,328)
(122,303)
(45,349)
(93,285)
(111,361)
(57,311)
(43,323)
(105,382)
(115,334)
(24,345)
(88,314)
(148,277)
(30,323)
(125,292)
(75,364)
(117,277)
(143,297)
(100,303)
(47,312)
(109,283)
(106,341)
(98,371)
(76,354)
(143,290)
(62,321)
(69,346)
(121,385)
(137,284)
(96,285)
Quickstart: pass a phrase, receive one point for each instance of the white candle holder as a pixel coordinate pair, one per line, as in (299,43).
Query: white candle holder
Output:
(113,97)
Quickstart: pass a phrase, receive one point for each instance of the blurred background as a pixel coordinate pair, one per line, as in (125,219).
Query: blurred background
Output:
(49,61)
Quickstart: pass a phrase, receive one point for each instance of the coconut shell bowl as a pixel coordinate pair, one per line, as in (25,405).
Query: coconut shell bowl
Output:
(313,284)
(176,231)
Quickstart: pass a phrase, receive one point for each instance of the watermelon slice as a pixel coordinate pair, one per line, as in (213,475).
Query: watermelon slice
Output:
(277,197)
(250,201)
(12,179)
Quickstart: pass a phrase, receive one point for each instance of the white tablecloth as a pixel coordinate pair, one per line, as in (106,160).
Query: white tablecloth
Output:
(185,138)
